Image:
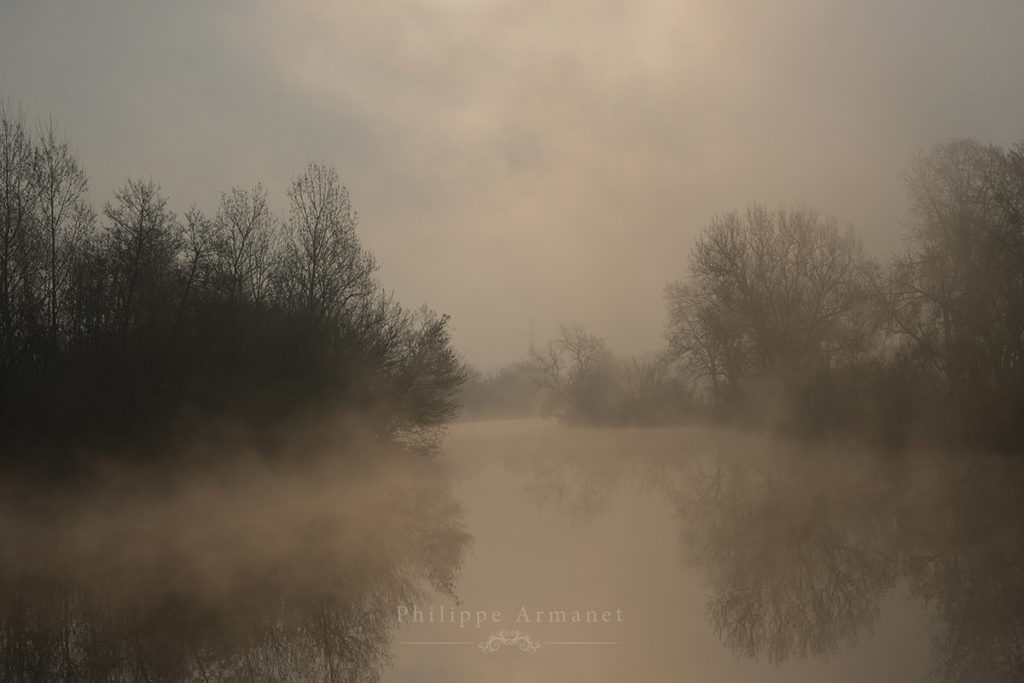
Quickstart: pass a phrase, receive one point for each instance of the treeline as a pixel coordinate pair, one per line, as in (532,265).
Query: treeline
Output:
(783,321)
(577,378)
(507,392)
(783,318)
(583,381)
(136,320)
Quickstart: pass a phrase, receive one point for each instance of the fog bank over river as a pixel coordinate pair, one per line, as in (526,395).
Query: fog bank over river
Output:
(731,557)
(524,551)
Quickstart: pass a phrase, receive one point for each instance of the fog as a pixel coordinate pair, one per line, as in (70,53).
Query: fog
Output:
(511,341)
(732,557)
(561,158)
(701,554)
(246,570)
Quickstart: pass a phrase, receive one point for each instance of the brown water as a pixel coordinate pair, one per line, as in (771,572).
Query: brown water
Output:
(543,553)
(731,559)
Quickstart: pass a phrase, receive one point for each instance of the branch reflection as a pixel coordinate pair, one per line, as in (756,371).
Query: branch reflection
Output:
(264,575)
(800,544)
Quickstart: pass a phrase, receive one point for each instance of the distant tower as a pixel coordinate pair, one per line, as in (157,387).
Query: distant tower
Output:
(531,335)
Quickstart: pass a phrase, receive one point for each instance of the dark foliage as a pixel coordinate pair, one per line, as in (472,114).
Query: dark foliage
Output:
(143,321)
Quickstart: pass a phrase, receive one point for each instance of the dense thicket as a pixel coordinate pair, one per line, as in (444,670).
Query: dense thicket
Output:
(139,320)
(781,317)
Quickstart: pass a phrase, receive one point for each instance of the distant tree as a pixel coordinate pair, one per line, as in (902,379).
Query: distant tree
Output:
(705,342)
(772,299)
(575,369)
(579,379)
(508,392)
(652,393)
(957,293)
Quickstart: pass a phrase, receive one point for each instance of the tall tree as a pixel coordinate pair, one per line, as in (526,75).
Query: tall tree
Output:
(66,220)
(771,296)
(243,245)
(142,244)
(19,244)
(325,268)
(957,293)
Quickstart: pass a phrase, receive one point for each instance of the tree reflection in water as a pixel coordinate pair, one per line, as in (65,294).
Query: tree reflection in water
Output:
(968,562)
(800,544)
(263,574)
(798,558)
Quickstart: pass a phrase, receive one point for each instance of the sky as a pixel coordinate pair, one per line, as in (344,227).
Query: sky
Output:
(521,163)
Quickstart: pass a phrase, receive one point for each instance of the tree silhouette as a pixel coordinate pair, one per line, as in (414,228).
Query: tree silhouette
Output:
(153,323)
(957,293)
(773,301)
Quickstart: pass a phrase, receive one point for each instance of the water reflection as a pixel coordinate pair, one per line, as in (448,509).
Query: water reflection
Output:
(251,574)
(800,545)
(798,554)
(968,562)
(576,472)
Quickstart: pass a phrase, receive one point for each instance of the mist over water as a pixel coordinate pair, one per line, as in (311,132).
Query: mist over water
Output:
(244,571)
(655,554)
(733,557)
(511,341)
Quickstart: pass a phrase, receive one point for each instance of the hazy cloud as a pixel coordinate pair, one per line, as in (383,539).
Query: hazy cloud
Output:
(526,161)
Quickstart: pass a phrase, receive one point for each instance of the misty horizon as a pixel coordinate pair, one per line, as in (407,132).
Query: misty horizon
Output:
(502,340)
(502,152)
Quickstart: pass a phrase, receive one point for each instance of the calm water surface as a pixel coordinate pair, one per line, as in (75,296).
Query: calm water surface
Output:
(542,553)
(732,558)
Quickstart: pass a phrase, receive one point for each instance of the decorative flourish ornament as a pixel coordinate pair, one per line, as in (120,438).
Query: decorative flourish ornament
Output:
(520,640)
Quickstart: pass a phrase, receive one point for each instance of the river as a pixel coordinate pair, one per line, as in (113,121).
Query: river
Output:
(529,551)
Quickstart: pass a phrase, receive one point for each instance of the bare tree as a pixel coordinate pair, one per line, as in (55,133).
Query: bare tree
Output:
(197,246)
(149,320)
(18,237)
(142,240)
(66,220)
(957,293)
(701,338)
(574,369)
(771,295)
(243,246)
(324,267)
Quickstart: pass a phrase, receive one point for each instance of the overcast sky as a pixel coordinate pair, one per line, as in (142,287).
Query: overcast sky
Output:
(517,163)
